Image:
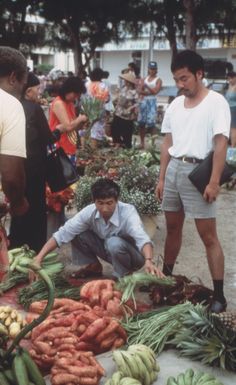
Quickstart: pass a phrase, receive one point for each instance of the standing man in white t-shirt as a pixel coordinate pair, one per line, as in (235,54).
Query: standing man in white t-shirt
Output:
(195,123)
(13,72)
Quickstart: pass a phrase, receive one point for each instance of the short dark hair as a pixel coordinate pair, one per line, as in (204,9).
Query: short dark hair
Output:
(231,74)
(96,75)
(12,60)
(189,59)
(105,188)
(71,84)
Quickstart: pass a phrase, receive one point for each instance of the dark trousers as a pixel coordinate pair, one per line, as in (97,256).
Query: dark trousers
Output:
(120,253)
(121,131)
(31,228)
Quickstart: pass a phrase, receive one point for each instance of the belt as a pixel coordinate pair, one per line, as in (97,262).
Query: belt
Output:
(187,159)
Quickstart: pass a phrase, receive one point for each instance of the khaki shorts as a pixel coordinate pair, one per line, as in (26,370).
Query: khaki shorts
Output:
(179,192)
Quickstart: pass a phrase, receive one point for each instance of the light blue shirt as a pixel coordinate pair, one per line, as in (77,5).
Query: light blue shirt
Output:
(125,222)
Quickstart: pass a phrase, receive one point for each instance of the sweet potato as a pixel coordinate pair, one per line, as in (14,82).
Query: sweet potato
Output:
(88,381)
(86,371)
(94,329)
(111,328)
(105,296)
(108,342)
(45,348)
(117,343)
(63,379)
(95,363)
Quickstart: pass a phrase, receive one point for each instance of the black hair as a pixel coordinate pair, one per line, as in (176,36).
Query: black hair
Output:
(106,74)
(12,60)
(231,74)
(189,59)
(105,188)
(97,75)
(71,84)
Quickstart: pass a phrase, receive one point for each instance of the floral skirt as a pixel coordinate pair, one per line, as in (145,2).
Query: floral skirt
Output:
(147,115)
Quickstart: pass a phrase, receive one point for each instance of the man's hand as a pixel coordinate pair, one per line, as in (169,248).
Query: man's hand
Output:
(152,269)
(32,275)
(211,192)
(159,191)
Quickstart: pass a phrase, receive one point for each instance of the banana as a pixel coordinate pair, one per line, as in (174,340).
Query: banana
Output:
(122,366)
(171,381)
(180,379)
(205,378)
(116,377)
(32,369)
(129,381)
(130,360)
(8,373)
(145,375)
(213,382)
(153,376)
(188,375)
(20,370)
(144,357)
(3,379)
(196,377)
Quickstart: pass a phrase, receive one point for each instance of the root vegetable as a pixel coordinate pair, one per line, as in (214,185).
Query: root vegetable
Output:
(112,327)
(108,342)
(118,343)
(63,379)
(94,329)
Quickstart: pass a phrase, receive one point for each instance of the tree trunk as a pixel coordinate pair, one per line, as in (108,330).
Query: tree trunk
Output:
(171,30)
(77,48)
(190,27)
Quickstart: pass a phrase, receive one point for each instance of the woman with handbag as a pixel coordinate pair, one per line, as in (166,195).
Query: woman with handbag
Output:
(31,228)
(62,112)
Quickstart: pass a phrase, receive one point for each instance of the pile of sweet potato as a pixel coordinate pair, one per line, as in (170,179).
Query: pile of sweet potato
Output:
(102,293)
(72,327)
(80,368)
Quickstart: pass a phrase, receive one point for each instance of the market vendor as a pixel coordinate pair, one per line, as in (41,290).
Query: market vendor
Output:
(108,229)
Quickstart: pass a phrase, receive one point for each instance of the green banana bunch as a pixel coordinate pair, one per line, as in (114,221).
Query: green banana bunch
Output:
(138,362)
(189,377)
(21,257)
(20,369)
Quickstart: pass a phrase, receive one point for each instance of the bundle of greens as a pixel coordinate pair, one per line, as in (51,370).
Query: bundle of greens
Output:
(155,328)
(92,107)
(129,283)
(37,291)
(19,260)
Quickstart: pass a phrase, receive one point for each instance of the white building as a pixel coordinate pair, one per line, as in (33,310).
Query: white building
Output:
(114,57)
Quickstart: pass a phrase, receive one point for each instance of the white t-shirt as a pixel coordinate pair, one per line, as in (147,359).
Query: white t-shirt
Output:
(12,126)
(193,129)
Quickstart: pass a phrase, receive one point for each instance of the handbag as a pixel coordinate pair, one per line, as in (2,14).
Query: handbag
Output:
(200,176)
(60,171)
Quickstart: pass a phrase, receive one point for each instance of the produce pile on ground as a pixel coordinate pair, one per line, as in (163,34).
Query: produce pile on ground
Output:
(72,326)
(11,321)
(189,377)
(104,316)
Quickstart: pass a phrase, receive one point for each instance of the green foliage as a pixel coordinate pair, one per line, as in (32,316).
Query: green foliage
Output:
(137,184)
(83,192)
(44,68)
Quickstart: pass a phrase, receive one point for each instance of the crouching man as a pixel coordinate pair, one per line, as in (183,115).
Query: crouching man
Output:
(108,229)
